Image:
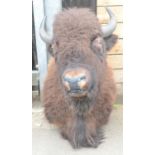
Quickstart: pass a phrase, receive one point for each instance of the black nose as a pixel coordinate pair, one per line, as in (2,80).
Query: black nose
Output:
(75,81)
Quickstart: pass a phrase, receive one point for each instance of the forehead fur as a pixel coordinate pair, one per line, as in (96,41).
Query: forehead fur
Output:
(76,24)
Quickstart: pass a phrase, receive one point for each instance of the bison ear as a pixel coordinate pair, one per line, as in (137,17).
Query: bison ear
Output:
(98,47)
(110,41)
(52,48)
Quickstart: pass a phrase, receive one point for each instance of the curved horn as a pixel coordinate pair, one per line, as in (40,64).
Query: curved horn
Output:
(109,29)
(43,34)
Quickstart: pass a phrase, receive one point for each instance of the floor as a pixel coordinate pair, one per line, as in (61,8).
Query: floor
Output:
(46,139)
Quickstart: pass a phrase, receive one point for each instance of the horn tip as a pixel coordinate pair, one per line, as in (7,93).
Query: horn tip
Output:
(109,10)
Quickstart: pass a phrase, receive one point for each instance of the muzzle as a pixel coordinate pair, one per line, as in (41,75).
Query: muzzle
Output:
(77,81)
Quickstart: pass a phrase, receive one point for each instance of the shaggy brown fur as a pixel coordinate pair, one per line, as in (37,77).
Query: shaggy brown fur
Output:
(79,119)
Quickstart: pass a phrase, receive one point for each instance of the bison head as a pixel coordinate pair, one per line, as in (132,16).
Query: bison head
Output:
(79,51)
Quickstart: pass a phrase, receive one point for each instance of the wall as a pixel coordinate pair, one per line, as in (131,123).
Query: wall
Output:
(115,55)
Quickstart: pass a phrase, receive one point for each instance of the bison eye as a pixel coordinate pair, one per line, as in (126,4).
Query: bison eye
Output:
(97,46)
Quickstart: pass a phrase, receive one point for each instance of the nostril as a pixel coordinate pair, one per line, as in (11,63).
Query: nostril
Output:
(67,85)
(66,79)
(83,78)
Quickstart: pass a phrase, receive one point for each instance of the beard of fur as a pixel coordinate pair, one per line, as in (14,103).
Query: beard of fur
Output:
(82,104)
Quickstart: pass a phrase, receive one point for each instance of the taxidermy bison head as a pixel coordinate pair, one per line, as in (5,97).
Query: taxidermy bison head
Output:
(79,49)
